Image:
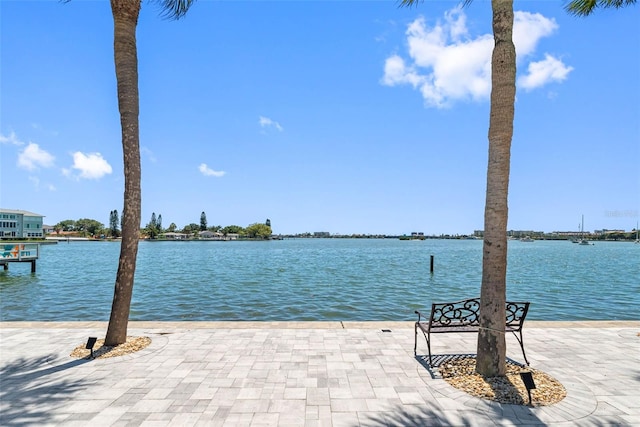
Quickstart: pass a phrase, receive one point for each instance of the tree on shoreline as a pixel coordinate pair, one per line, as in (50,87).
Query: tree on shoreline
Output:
(154,228)
(114,220)
(203,221)
(258,231)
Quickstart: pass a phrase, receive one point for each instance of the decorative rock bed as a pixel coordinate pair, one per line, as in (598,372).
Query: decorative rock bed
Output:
(460,373)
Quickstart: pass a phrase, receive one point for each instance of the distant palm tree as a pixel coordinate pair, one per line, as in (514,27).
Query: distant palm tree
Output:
(491,357)
(125,19)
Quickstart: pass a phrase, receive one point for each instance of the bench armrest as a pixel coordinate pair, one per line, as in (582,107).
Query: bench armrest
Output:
(421,316)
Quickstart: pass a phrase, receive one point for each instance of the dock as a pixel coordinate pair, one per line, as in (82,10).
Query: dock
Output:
(19,252)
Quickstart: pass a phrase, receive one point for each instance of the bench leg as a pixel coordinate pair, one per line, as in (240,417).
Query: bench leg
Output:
(428,338)
(415,343)
(521,346)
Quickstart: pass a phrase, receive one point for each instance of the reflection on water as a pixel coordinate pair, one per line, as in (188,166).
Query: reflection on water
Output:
(319,279)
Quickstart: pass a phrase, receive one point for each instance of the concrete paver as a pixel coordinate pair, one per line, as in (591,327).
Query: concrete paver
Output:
(303,374)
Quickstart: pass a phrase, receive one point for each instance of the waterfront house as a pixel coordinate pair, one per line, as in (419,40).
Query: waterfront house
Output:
(20,224)
(176,236)
(210,235)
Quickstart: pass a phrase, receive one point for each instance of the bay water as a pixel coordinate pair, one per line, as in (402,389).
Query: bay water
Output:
(319,279)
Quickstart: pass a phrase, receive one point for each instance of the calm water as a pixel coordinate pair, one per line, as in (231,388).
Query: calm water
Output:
(319,279)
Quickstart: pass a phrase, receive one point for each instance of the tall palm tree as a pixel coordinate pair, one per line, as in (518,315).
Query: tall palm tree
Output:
(491,356)
(491,359)
(125,19)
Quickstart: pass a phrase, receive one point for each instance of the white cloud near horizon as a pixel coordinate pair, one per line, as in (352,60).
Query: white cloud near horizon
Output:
(33,157)
(266,122)
(207,171)
(447,65)
(90,166)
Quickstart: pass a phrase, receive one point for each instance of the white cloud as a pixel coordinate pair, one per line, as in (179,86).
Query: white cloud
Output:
(529,29)
(35,181)
(11,139)
(541,72)
(206,171)
(90,166)
(266,122)
(34,157)
(148,154)
(396,72)
(447,65)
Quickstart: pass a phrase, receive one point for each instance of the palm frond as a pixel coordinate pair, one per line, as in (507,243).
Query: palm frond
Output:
(411,3)
(174,9)
(586,7)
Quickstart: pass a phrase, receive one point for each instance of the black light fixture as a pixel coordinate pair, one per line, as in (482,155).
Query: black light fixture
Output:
(90,343)
(527,379)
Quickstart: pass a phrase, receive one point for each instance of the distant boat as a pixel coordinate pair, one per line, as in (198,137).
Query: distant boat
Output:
(582,241)
(526,239)
(637,242)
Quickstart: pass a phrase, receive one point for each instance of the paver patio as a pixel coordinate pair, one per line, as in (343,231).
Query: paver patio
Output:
(303,374)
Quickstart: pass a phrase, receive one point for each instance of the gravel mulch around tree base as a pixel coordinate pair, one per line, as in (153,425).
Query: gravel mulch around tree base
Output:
(460,373)
(101,351)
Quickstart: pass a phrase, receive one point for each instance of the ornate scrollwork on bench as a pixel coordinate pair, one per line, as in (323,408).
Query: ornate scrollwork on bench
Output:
(461,313)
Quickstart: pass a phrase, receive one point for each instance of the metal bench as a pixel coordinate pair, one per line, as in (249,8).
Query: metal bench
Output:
(464,316)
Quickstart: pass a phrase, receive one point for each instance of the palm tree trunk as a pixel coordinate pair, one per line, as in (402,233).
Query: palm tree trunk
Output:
(491,359)
(125,18)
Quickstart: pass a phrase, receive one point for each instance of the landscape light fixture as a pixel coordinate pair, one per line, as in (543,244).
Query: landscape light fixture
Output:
(90,343)
(527,379)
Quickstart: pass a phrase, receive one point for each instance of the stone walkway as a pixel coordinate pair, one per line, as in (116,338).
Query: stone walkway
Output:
(303,374)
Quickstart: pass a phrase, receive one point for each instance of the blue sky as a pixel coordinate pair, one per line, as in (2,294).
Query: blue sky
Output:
(339,116)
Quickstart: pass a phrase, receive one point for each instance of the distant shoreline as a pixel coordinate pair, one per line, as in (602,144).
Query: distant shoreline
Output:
(54,240)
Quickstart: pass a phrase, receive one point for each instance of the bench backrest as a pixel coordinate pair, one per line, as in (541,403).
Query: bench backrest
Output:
(467,313)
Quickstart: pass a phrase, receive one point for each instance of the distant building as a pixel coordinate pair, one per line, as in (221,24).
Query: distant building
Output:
(321,234)
(524,233)
(213,235)
(605,231)
(20,224)
(176,236)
